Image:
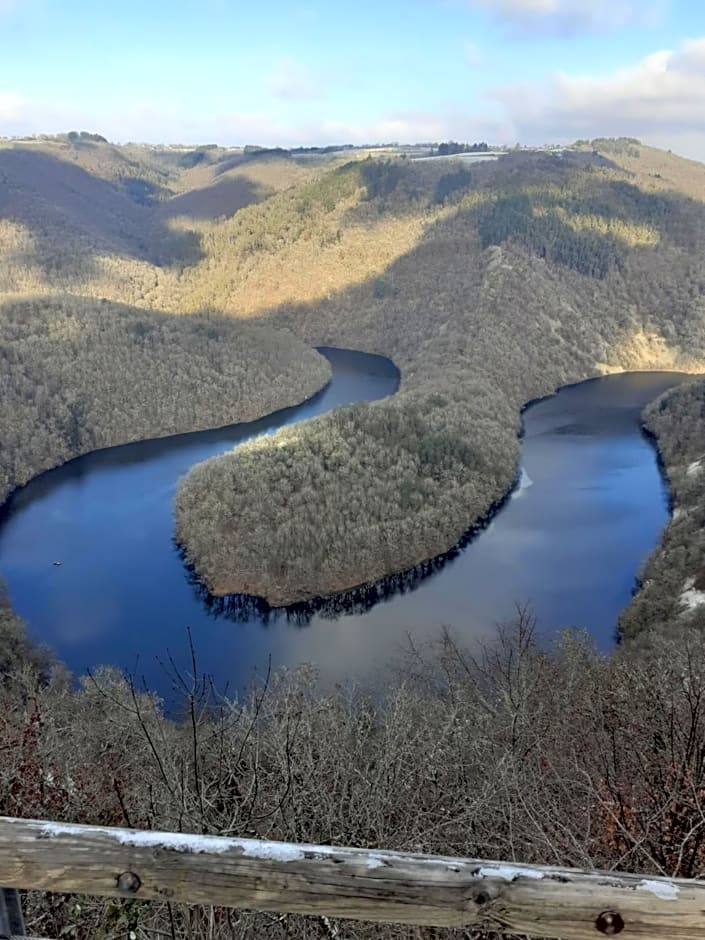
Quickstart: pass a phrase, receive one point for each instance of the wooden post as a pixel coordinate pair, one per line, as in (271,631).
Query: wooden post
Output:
(373,885)
(11,920)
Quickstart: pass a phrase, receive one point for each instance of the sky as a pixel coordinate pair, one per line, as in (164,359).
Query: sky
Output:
(312,72)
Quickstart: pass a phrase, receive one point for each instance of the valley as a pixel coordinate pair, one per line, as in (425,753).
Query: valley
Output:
(352,496)
(568,543)
(488,287)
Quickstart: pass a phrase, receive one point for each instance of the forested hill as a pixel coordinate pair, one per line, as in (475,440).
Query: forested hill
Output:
(672,595)
(90,216)
(144,291)
(488,284)
(488,287)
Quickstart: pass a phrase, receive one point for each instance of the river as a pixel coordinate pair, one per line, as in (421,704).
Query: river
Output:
(569,541)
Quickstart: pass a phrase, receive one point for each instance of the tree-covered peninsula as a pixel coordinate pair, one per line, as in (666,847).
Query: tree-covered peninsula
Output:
(536,271)
(487,287)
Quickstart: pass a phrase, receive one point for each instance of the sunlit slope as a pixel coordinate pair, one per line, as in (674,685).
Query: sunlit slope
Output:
(654,170)
(532,273)
(305,243)
(487,286)
(219,189)
(121,222)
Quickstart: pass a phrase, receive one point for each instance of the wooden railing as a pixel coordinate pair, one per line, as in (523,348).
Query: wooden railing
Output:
(363,884)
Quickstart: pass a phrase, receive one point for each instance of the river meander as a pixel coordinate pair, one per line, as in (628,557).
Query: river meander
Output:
(569,541)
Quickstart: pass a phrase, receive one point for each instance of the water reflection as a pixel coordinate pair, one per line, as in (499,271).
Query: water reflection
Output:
(570,543)
(243,608)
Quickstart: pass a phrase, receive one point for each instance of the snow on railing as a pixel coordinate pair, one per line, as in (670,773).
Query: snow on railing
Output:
(363,884)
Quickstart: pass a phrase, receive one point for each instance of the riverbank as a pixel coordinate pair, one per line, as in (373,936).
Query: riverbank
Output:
(243,587)
(80,377)
(108,516)
(593,512)
(670,593)
(531,728)
(352,600)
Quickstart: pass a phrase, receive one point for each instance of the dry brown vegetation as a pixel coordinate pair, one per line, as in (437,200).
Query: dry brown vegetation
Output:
(655,170)
(219,189)
(554,755)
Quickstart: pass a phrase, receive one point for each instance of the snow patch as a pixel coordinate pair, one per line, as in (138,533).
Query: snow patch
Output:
(176,841)
(509,872)
(692,598)
(524,483)
(195,844)
(660,889)
(374,861)
(274,851)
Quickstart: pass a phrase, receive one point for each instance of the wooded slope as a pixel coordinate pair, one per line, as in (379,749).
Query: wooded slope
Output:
(487,287)
(76,376)
(524,275)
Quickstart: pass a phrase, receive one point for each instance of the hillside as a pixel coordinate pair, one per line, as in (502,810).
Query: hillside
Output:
(112,222)
(132,306)
(516,278)
(77,376)
(672,594)
(488,287)
(552,755)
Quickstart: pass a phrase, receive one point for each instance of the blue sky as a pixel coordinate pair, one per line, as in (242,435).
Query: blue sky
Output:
(314,72)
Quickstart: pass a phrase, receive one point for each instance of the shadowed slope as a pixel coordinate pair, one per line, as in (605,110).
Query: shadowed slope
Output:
(77,376)
(223,188)
(477,332)
(72,216)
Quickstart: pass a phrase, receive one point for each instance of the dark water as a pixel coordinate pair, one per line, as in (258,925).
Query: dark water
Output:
(569,541)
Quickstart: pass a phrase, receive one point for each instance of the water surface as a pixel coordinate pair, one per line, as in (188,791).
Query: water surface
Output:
(570,541)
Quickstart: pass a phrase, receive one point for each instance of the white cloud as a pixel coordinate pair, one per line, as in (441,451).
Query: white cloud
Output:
(293,82)
(571,16)
(419,126)
(166,122)
(660,99)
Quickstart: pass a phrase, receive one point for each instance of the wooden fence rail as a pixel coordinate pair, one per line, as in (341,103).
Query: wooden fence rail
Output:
(373,885)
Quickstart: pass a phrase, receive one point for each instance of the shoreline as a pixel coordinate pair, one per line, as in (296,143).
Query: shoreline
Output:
(5,503)
(364,595)
(357,598)
(639,579)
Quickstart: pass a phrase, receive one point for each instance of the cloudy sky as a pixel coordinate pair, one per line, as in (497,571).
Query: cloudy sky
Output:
(330,71)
